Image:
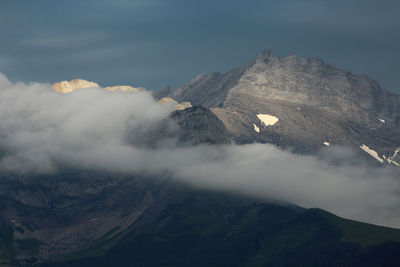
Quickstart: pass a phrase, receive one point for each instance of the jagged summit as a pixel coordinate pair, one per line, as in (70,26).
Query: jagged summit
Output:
(78,84)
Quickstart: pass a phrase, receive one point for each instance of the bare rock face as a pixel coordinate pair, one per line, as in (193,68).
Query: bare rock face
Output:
(210,90)
(200,125)
(187,127)
(315,104)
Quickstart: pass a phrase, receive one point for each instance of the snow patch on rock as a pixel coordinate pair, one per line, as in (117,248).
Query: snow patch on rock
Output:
(371,152)
(256,128)
(268,120)
(381,120)
(391,159)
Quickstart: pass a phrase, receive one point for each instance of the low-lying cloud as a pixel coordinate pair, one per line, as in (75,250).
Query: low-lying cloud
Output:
(42,131)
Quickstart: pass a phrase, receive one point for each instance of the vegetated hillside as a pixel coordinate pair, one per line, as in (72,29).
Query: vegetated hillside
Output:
(198,228)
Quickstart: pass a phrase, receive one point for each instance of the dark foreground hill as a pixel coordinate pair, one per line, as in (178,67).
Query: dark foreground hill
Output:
(208,229)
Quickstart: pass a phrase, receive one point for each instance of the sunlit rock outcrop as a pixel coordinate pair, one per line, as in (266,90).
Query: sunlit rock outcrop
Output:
(78,84)
(73,85)
(178,106)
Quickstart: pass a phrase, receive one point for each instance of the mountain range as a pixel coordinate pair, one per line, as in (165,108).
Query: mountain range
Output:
(83,218)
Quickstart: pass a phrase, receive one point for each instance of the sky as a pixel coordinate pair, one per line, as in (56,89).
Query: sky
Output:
(153,43)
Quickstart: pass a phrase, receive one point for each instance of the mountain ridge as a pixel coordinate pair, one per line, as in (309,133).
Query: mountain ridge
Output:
(315,103)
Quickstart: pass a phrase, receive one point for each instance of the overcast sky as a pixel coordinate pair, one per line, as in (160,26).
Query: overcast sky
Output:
(152,43)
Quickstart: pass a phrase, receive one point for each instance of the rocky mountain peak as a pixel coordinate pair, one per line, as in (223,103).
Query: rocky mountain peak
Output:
(301,81)
(316,104)
(313,82)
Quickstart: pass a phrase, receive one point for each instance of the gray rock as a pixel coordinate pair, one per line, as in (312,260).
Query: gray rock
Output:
(210,90)
(200,125)
(163,92)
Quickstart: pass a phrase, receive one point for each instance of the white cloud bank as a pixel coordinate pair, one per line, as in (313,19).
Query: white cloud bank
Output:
(42,130)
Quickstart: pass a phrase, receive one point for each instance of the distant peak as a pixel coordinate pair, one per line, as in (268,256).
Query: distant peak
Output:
(73,85)
(66,87)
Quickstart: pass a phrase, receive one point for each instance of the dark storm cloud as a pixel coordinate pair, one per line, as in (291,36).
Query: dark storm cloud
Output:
(153,43)
(42,131)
